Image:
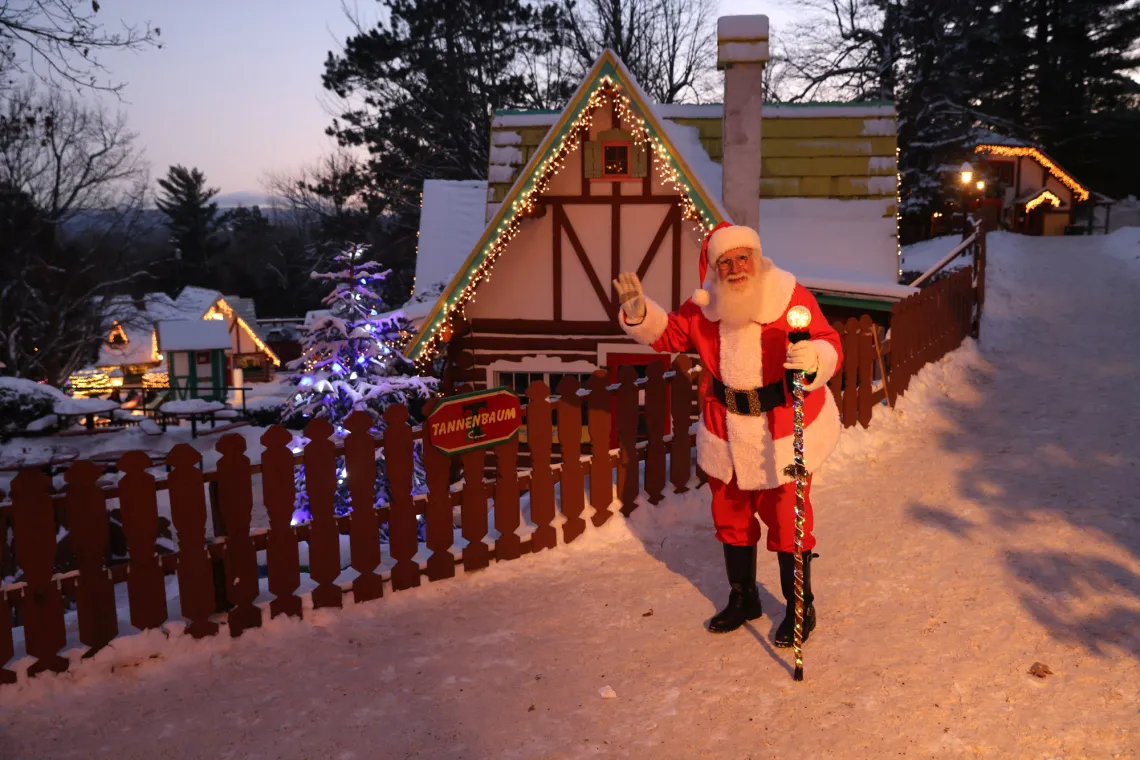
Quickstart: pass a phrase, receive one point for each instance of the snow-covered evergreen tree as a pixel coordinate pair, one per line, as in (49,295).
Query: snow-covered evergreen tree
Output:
(352,360)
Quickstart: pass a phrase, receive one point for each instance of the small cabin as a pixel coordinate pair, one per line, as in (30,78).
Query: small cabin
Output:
(1035,195)
(195,352)
(132,346)
(515,273)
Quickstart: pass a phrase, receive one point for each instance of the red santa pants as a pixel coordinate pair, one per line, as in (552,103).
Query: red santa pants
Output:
(734,513)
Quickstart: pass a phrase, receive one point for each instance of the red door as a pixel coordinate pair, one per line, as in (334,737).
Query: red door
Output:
(641,363)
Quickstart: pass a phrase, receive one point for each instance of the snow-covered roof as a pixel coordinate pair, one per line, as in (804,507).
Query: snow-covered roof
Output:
(193,335)
(982,136)
(247,310)
(544,117)
(452,219)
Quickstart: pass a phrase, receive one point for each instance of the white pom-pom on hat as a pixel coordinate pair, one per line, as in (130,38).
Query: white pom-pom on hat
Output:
(701,297)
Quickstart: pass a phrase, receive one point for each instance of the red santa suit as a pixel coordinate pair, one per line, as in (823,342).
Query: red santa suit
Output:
(745,455)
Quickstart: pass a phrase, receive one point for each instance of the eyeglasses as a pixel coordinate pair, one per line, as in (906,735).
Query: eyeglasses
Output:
(724,265)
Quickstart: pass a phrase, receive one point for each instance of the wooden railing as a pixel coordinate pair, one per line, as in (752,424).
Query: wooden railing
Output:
(219,573)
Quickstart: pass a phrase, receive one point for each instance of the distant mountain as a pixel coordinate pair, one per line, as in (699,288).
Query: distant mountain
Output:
(247,198)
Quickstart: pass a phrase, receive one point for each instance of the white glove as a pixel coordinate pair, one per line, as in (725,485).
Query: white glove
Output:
(803,356)
(630,296)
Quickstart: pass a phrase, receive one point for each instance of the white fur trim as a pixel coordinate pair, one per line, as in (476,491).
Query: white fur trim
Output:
(740,356)
(701,297)
(828,359)
(712,453)
(728,238)
(756,458)
(649,329)
(776,287)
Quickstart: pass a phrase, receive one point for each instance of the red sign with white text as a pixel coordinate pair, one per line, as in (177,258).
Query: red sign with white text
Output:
(474,421)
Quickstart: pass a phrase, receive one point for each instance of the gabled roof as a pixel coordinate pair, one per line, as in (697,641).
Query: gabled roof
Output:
(608,70)
(1080,192)
(192,335)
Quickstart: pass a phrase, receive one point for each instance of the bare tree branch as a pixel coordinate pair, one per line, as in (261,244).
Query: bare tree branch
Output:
(59,42)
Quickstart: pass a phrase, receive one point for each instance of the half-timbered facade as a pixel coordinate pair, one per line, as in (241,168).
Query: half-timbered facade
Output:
(615,183)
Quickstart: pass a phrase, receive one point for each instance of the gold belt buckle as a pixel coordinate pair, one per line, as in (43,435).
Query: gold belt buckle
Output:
(753,401)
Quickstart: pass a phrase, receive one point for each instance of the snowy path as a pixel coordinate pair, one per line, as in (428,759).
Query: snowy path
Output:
(993,525)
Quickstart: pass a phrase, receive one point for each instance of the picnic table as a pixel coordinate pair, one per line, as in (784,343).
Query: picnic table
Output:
(195,410)
(87,408)
(40,458)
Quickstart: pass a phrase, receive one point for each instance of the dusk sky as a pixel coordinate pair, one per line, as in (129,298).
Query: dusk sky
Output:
(236,89)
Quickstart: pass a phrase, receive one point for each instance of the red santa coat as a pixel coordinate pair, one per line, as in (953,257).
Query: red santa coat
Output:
(755,449)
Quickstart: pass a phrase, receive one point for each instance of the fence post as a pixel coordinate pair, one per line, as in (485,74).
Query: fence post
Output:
(656,401)
(282,554)
(235,484)
(146,584)
(438,516)
(188,511)
(681,403)
(570,444)
(364,525)
(90,535)
(473,511)
(403,530)
(851,363)
(34,527)
(540,432)
(7,645)
(508,546)
(601,473)
(324,535)
(628,465)
(866,345)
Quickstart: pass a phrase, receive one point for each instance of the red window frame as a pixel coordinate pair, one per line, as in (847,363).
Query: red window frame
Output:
(628,176)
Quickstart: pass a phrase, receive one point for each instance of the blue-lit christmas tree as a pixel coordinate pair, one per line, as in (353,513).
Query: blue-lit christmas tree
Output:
(352,360)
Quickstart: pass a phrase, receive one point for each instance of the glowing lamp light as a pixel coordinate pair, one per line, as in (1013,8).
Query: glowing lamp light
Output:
(967,172)
(337,367)
(306,381)
(799,317)
(981,184)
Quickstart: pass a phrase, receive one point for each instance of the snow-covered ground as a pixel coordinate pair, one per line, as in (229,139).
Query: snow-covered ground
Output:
(987,524)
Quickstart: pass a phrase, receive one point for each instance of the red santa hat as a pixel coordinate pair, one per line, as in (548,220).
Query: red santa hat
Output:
(723,237)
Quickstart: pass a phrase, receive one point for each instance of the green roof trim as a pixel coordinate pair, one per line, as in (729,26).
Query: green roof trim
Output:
(868,304)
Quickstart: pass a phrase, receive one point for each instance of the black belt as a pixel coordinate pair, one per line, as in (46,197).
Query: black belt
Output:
(752,402)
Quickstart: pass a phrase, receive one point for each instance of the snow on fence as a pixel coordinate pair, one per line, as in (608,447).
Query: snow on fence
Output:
(218,577)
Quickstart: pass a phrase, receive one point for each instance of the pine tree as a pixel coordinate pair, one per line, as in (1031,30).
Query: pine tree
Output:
(419,89)
(352,361)
(193,218)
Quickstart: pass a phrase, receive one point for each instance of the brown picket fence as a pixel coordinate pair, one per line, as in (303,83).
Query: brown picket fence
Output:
(217,575)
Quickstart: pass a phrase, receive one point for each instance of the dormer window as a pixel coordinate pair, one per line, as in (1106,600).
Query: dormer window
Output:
(613,157)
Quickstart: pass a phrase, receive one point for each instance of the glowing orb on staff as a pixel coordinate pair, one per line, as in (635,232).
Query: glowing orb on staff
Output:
(799,317)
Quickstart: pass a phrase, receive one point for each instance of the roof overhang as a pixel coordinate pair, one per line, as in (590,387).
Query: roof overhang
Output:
(1080,192)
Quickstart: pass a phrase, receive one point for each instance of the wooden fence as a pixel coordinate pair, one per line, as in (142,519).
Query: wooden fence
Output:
(218,578)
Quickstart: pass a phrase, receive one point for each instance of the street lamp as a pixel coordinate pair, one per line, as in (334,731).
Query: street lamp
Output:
(967,172)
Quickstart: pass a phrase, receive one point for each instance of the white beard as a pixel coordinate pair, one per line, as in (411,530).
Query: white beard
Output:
(736,305)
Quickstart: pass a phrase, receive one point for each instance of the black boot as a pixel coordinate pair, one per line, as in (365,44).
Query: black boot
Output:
(744,597)
(786,632)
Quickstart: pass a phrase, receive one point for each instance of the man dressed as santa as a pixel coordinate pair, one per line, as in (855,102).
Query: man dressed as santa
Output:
(738,325)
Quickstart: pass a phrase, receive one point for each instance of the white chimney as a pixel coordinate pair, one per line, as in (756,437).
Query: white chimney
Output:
(742,51)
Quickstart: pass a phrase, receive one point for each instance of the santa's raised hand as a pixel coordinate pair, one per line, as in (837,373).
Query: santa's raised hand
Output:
(631,296)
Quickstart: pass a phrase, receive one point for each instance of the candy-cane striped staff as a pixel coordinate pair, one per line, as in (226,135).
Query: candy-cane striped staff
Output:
(799,317)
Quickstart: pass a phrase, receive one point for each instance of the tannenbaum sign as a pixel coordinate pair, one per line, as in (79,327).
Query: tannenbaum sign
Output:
(474,421)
